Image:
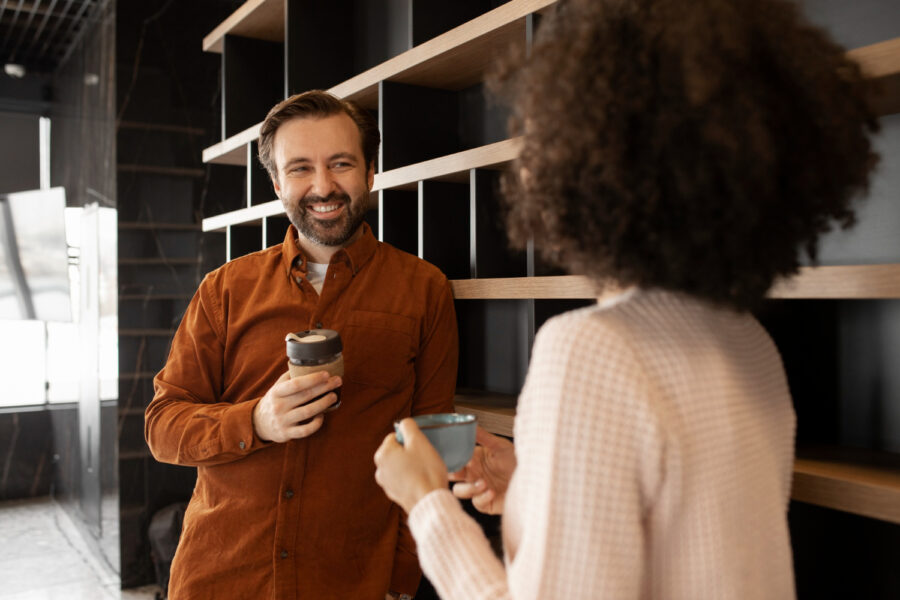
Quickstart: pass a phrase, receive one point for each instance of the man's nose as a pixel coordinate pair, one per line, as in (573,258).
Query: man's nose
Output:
(323,183)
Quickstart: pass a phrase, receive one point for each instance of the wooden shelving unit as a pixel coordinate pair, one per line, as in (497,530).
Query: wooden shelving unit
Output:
(881,63)
(258,19)
(825,282)
(455,187)
(495,412)
(459,58)
(455,60)
(860,482)
(452,168)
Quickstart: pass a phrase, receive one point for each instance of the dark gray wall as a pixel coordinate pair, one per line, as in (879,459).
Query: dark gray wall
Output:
(19,152)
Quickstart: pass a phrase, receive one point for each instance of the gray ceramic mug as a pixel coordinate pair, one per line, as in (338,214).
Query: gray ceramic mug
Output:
(451,434)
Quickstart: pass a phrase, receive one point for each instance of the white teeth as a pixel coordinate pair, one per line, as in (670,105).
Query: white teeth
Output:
(324,209)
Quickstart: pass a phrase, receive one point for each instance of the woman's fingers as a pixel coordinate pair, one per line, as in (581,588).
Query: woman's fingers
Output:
(467,490)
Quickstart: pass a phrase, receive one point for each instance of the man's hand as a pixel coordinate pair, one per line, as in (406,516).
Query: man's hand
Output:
(485,478)
(279,414)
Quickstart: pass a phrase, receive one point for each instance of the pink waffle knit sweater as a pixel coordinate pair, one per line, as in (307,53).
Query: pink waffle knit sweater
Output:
(654,438)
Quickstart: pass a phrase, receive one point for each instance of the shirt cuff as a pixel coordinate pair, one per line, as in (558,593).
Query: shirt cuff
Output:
(238,434)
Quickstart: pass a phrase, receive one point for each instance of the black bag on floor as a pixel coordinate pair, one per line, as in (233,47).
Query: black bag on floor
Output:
(164,532)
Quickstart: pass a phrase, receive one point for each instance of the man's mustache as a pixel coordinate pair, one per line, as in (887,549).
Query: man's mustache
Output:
(331,198)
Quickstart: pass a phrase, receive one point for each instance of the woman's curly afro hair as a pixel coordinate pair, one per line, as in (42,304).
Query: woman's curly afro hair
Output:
(691,145)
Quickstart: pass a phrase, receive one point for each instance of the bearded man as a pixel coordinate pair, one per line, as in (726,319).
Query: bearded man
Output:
(286,505)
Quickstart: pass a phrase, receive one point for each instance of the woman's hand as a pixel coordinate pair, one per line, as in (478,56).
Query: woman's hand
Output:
(409,472)
(485,478)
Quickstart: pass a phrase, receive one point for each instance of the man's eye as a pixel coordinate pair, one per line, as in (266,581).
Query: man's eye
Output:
(342,165)
(299,169)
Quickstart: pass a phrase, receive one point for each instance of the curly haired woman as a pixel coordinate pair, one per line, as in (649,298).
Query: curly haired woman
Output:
(689,152)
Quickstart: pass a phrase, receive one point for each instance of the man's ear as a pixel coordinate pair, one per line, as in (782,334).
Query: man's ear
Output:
(275,186)
(370,176)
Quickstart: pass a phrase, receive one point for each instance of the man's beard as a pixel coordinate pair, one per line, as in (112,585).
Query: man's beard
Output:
(326,233)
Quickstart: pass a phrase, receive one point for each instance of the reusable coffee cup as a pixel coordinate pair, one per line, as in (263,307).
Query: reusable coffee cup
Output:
(316,350)
(451,434)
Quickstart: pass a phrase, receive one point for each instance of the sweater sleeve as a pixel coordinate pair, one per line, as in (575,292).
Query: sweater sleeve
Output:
(589,465)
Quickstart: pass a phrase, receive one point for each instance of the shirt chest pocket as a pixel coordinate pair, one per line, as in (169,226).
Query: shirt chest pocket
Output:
(379,349)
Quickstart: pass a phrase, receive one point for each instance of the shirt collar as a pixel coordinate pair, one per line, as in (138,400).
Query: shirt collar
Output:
(356,254)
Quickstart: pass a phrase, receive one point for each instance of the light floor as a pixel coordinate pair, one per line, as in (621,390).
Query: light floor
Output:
(44,557)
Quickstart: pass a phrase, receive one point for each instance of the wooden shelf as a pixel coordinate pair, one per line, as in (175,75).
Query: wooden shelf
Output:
(245,216)
(881,63)
(861,482)
(458,59)
(852,282)
(524,288)
(822,283)
(233,150)
(495,412)
(453,60)
(454,167)
(258,19)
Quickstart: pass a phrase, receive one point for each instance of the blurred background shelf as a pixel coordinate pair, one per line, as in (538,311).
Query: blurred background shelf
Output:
(257,19)
(495,412)
(825,282)
(862,482)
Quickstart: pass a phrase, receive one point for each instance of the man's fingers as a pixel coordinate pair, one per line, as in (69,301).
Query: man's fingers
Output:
(295,393)
(309,409)
(300,384)
(297,432)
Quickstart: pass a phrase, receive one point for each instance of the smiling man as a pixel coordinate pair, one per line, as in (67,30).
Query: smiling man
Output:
(286,505)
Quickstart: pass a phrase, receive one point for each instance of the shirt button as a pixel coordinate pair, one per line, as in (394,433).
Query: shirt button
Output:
(289,494)
(284,554)
(242,445)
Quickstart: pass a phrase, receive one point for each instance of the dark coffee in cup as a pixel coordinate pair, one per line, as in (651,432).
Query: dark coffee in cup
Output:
(316,350)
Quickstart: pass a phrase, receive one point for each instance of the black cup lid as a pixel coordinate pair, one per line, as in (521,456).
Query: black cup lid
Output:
(316,345)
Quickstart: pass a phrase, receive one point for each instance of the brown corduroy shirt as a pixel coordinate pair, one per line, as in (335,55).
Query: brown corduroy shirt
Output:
(303,519)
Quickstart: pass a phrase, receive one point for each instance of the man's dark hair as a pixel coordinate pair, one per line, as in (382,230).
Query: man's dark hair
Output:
(316,104)
(695,146)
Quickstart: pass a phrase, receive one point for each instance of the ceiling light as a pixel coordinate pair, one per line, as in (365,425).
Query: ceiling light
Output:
(14,70)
